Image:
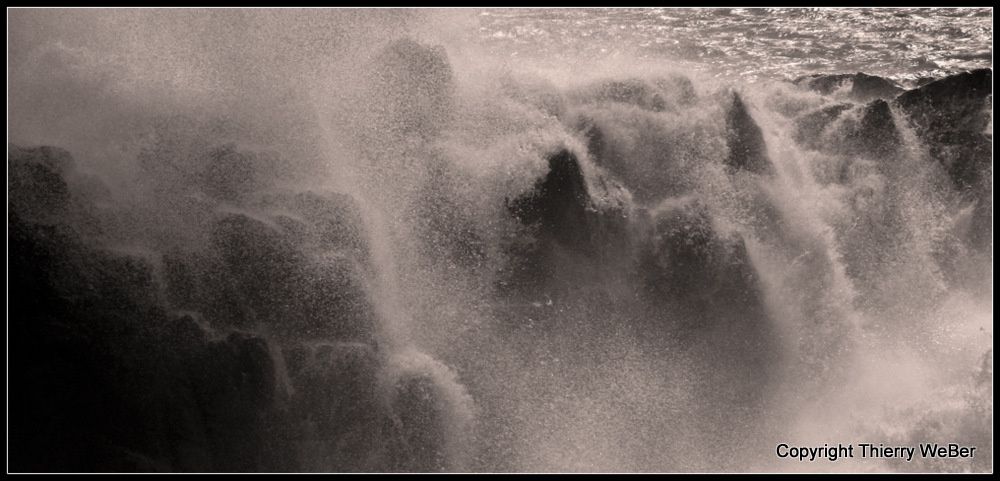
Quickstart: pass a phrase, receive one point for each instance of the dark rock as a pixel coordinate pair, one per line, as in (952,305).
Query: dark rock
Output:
(55,159)
(596,143)
(94,280)
(413,86)
(707,283)
(422,418)
(953,103)
(869,130)
(563,209)
(449,233)
(328,301)
(559,202)
(293,226)
(747,150)
(631,92)
(297,294)
(809,128)
(686,260)
(565,232)
(336,219)
(644,159)
(222,402)
(951,116)
(184,334)
(200,282)
(677,89)
(864,87)
(338,407)
(231,174)
(108,381)
(85,364)
(37,187)
(876,135)
(261,274)
(966,157)
(235,382)
(261,259)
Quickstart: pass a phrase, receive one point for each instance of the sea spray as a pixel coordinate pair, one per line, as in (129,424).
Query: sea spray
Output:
(367,243)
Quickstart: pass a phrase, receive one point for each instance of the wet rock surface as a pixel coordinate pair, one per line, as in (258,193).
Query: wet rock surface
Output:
(952,117)
(747,150)
(563,222)
(863,87)
(193,361)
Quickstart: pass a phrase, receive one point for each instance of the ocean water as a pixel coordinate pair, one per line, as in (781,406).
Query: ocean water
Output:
(904,44)
(570,240)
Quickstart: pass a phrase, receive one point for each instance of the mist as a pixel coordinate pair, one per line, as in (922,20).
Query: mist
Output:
(365,240)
